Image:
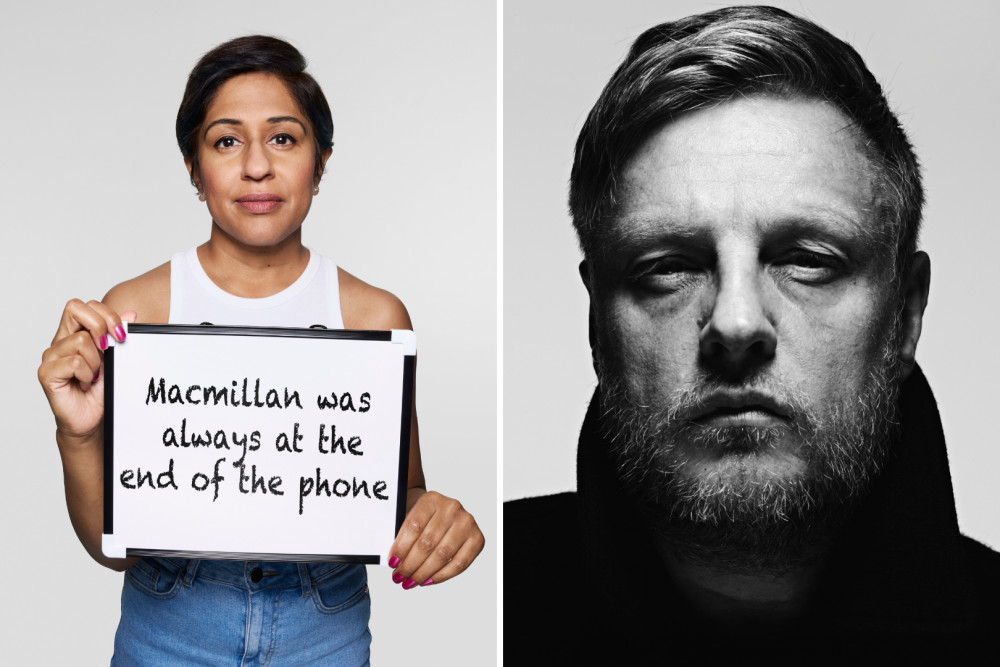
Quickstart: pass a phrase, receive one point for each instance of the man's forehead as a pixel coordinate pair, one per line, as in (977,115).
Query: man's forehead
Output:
(787,127)
(752,162)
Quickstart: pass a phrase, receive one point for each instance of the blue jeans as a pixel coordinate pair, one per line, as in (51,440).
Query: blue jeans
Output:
(177,611)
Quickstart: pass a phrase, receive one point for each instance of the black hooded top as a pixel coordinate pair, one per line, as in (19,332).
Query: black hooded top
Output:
(583,585)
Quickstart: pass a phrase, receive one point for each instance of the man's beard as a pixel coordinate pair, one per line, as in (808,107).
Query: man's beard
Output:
(743,516)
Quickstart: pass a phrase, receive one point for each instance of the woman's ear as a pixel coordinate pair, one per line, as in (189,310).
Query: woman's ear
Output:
(323,157)
(192,173)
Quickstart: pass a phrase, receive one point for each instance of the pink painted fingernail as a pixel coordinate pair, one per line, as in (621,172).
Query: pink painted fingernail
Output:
(119,334)
(397,578)
(408,584)
(428,582)
(104,342)
(394,561)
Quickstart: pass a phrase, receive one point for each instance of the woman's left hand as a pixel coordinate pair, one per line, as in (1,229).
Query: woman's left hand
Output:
(438,540)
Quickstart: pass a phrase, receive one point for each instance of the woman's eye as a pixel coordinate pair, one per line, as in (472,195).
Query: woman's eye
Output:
(226,142)
(283,139)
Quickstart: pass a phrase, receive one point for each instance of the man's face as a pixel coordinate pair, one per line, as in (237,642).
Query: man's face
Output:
(743,334)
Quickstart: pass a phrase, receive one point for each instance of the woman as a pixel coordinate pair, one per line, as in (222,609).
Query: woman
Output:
(255,131)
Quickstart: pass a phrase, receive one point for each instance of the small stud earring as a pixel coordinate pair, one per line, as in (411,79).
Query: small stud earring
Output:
(316,190)
(201,196)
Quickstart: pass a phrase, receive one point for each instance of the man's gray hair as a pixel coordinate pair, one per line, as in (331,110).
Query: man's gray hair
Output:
(701,61)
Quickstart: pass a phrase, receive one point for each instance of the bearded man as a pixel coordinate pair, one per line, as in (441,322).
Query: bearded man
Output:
(762,456)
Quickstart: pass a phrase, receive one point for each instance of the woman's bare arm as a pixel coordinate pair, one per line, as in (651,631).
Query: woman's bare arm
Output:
(439,538)
(72,375)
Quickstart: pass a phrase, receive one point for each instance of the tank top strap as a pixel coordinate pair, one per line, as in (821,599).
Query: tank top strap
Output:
(331,276)
(181,286)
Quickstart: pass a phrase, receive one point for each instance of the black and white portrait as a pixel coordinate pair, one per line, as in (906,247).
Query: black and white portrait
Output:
(724,222)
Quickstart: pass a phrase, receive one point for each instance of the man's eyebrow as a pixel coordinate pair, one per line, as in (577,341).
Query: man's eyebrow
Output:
(642,231)
(274,120)
(827,221)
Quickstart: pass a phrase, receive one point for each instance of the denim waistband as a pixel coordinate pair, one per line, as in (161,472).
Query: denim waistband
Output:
(257,575)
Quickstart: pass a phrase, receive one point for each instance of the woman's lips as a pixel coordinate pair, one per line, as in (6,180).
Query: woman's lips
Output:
(259,202)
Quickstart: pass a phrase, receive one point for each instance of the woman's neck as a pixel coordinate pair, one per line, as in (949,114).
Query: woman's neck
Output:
(250,271)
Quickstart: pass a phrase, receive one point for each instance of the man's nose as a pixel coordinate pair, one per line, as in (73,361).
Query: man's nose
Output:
(256,162)
(738,329)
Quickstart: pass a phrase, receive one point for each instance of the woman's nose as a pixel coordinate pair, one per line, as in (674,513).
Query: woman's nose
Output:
(256,162)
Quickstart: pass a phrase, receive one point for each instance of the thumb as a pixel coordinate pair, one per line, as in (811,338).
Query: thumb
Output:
(130,316)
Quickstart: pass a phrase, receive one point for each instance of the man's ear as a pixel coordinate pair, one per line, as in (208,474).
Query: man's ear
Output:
(916,288)
(585,275)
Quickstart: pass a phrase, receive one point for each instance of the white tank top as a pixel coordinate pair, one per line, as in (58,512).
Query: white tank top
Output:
(313,299)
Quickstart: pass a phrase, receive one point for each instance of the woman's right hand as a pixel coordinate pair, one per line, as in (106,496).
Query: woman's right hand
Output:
(71,370)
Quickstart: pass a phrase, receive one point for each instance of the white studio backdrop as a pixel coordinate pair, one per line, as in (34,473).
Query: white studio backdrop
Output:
(937,63)
(95,192)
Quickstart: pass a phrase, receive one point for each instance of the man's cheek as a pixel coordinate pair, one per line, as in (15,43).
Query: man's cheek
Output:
(828,345)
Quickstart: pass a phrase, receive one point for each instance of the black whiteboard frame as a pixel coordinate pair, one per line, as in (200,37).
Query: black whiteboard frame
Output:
(409,367)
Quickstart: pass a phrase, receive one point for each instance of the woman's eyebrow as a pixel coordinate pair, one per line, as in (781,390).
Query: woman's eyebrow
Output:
(285,119)
(220,121)
(272,121)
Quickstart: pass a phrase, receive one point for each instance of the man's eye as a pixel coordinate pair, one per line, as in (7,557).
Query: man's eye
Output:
(810,267)
(226,142)
(283,139)
(666,274)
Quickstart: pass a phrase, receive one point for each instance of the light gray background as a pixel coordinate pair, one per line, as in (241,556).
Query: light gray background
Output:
(95,192)
(938,63)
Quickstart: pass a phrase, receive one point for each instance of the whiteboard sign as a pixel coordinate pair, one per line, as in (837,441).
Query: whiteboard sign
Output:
(256,443)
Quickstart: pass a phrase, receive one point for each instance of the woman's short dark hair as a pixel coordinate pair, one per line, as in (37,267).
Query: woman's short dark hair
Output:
(701,61)
(253,53)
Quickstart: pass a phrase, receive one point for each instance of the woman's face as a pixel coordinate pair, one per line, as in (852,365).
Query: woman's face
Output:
(256,156)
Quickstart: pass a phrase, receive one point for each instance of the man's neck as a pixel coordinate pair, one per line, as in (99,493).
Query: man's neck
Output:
(748,576)
(735,595)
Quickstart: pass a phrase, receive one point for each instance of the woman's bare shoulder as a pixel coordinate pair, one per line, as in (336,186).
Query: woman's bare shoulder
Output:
(365,306)
(148,295)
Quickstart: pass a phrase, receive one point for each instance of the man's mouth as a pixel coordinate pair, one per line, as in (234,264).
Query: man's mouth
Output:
(750,415)
(750,408)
